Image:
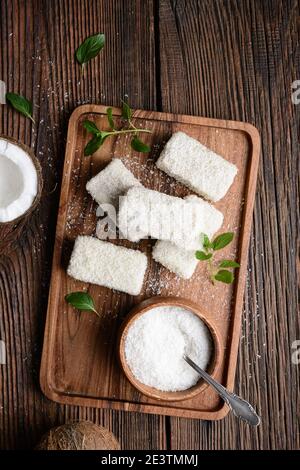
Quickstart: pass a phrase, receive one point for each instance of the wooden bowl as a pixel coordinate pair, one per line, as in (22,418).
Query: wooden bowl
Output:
(152,392)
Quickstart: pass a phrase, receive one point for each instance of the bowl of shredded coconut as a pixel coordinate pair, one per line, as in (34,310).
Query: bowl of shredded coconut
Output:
(153,340)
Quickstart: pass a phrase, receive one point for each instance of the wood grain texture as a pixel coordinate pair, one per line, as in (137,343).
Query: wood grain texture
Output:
(38,39)
(238,59)
(230,59)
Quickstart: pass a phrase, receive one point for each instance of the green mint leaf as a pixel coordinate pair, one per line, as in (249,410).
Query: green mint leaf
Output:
(139,146)
(227,263)
(81,301)
(93,145)
(203,256)
(110,118)
(205,241)
(224,276)
(90,48)
(126,111)
(91,127)
(21,104)
(222,240)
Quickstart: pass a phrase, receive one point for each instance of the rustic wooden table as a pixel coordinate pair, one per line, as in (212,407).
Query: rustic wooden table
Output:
(231,59)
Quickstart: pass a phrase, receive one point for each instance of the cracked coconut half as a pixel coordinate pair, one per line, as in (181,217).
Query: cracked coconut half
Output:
(20,180)
(20,190)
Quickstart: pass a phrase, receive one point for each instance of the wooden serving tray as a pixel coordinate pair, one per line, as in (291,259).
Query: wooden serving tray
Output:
(79,363)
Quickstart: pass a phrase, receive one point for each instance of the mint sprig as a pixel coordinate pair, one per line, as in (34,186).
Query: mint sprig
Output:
(216,270)
(126,110)
(139,146)
(21,104)
(81,301)
(90,48)
(227,263)
(99,136)
(222,240)
(223,275)
(110,118)
(203,256)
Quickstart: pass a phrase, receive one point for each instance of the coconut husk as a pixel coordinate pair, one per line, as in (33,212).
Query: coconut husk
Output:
(82,435)
(11,231)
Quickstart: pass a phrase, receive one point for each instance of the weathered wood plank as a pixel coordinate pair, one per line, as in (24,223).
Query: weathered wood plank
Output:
(225,59)
(237,60)
(38,40)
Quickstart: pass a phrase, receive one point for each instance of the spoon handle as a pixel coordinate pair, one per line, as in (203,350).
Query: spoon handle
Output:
(241,408)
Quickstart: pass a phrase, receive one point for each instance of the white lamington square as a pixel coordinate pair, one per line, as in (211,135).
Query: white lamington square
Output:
(196,166)
(179,261)
(110,183)
(144,212)
(211,219)
(184,262)
(105,264)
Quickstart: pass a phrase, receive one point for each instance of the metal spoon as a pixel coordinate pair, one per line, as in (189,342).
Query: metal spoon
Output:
(240,408)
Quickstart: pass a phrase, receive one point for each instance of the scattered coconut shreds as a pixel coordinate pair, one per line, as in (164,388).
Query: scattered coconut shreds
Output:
(18,181)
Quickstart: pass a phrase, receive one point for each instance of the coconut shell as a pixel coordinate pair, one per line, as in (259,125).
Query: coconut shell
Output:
(82,435)
(11,231)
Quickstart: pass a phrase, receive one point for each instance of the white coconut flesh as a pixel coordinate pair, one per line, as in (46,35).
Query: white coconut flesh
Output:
(18,181)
